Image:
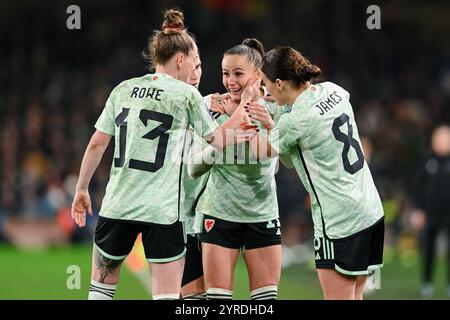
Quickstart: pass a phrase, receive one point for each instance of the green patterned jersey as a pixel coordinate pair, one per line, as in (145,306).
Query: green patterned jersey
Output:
(241,189)
(192,187)
(321,136)
(148,117)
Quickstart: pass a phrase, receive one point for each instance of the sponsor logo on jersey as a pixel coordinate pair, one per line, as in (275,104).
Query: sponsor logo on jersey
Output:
(209,224)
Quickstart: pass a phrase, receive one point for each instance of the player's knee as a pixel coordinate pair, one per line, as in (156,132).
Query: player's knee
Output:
(107,271)
(264,293)
(219,294)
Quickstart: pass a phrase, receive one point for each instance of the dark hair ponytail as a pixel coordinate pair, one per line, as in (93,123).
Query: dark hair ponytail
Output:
(251,48)
(286,63)
(254,44)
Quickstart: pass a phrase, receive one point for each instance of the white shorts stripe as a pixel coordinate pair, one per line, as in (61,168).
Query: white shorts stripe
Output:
(332,250)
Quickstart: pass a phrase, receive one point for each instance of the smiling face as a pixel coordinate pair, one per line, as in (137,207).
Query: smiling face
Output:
(236,72)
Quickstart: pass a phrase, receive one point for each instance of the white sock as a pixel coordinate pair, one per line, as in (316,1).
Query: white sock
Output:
(219,294)
(195,296)
(101,291)
(166,296)
(264,293)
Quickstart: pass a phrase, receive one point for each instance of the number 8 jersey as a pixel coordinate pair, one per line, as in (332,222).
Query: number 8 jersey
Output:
(148,117)
(321,136)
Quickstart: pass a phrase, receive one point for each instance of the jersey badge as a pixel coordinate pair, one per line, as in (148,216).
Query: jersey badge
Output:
(209,224)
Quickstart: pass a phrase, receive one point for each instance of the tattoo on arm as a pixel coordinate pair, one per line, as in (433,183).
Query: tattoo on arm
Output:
(105,265)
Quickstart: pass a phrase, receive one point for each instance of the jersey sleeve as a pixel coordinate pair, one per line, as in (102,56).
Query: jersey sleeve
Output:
(199,116)
(289,129)
(105,122)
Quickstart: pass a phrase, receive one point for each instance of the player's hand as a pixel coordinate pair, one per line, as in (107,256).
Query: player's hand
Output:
(217,103)
(258,112)
(241,134)
(81,203)
(251,90)
(229,105)
(246,132)
(222,104)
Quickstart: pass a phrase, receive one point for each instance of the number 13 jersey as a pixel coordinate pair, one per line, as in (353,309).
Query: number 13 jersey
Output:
(321,136)
(148,117)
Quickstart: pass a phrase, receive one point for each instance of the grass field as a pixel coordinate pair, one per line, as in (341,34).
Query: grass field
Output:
(42,275)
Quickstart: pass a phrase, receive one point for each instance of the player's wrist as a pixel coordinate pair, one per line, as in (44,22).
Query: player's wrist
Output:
(82,188)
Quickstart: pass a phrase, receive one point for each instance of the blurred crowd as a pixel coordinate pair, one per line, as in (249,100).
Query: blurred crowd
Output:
(54,83)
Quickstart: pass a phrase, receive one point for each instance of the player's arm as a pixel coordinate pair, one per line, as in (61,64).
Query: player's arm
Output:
(202,161)
(225,135)
(91,159)
(260,146)
(201,156)
(259,143)
(260,113)
(281,138)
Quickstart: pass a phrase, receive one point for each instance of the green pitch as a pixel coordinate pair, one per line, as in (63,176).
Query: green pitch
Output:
(43,275)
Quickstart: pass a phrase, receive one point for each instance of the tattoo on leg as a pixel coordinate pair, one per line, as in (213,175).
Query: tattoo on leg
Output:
(104,265)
